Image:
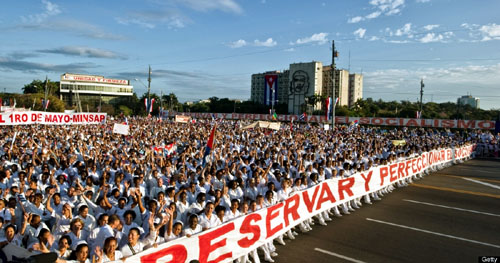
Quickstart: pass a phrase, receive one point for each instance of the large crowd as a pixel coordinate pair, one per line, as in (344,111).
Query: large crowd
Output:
(83,192)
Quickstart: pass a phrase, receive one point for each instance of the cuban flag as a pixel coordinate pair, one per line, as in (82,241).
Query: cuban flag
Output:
(45,104)
(149,105)
(170,148)
(418,114)
(328,107)
(336,101)
(125,121)
(210,145)
(303,117)
(270,89)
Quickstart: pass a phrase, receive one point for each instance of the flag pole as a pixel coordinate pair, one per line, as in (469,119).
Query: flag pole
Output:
(334,54)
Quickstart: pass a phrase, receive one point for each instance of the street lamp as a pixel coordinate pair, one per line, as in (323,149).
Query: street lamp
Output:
(136,79)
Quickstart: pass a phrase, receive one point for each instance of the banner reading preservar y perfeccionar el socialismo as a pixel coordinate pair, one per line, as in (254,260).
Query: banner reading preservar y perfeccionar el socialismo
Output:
(240,236)
(54,118)
(377,121)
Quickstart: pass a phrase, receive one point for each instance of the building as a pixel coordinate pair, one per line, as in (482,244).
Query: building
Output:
(302,81)
(355,88)
(261,87)
(93,90)
(305,80)
(468,100)
(341,84)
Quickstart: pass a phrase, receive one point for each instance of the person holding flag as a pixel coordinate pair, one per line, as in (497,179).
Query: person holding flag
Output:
(328,107)
(303,117)
(149,105)
(210,144)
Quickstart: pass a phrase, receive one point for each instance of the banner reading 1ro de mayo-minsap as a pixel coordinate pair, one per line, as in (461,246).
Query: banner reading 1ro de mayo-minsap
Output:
(54,118)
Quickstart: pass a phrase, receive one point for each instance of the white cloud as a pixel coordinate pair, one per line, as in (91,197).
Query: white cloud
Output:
(374,15)
(71,26)
(405,30)
(355,19)
(360,32)
(135,21)
(491,31)
(320,38)
(382,7)
(229,6)
(422,1)
(373,38)
(49,9)
(238,44)
(290,49)
(431,37)
(397,41)
(268,43)
(150,19)
(430,27)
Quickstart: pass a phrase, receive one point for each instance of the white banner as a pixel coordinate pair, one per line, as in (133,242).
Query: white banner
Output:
(54,118)
(121,129)
(240,236)
(397,122)
(182,119)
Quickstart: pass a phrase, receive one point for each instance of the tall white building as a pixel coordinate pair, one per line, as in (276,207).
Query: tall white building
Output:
(468,100)
(341,84)
(306,79)
(355,88)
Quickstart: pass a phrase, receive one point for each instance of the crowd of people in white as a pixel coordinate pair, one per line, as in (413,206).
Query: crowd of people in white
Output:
(83,192)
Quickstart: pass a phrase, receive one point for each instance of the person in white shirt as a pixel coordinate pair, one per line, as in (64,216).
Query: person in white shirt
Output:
(193,227)
(102,221)
(135,244)
(77,233)
(108,230)
(233,212)
(109,252)
(129,217)
(208,219)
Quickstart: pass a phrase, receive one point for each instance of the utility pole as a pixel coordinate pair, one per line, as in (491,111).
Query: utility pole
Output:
(149,85)
(272,100)
(421,95)
(334,55)
(161,99)
(46,93)
(100,101)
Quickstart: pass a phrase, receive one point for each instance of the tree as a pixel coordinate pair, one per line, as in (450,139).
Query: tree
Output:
(38,86)
(34,102)
(170,101)
(125,110)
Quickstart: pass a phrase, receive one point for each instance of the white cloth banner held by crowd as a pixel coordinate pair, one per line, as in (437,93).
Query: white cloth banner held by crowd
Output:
(122,129)
(182,119)
(54,118)
(244,234)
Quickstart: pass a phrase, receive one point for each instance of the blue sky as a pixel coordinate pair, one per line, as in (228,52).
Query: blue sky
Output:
(203,48)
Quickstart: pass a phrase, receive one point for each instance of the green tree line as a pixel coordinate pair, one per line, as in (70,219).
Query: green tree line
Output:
(134,105)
